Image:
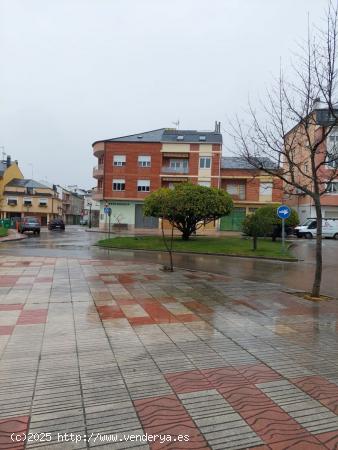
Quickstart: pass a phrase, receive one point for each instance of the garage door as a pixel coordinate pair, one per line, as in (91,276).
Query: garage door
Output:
(331,214)
(142,221)
(234,221)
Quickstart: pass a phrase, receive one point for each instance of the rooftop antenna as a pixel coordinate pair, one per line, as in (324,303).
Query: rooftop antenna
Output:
(177,124)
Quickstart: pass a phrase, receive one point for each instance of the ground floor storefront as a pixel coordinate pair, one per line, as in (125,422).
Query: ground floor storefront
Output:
(44,218)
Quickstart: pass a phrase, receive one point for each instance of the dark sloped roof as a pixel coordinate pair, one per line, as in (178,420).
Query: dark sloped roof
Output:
(210,137)
(236,162)
(26,183)
(170,135)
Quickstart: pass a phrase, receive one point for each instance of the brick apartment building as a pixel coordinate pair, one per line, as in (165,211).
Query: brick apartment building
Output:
(130,167)
(328,173)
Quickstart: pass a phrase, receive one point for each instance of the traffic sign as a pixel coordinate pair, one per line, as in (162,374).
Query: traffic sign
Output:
(283,212)
(107,210)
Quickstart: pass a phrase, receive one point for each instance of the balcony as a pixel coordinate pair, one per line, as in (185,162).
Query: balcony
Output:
(175,170)
(98,149)
(98,171)
(97,194)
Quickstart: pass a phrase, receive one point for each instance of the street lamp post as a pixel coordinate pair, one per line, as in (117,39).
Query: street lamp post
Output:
(90,215)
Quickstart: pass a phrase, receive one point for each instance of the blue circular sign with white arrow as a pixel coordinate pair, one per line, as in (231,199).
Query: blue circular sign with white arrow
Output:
(283,212)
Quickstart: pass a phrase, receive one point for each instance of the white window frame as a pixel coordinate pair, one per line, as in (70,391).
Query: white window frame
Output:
(205,162)
(332,192)
(143,185)
(332,149)
(43,201)
(12,199)
(119,160)
(144,161)
(236,189)
(27,200)
(204,183)
(120,184)
(266,188)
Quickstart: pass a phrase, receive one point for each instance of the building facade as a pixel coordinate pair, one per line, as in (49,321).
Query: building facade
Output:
(8,171)
(71,206)
(326,160)
(25,197)
(130,167)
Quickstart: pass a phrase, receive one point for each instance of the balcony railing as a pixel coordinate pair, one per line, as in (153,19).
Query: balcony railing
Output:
(97,194)
(168,169)
(98,171)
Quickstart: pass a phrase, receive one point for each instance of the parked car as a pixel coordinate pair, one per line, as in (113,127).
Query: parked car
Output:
(56,224)
(29,224)
(309,229)
(83,222)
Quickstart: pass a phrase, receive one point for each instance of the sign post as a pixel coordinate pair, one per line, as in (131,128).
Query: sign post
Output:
(283,212)
(107,211)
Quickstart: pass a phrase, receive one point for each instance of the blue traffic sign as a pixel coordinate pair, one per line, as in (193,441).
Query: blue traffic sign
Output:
(107,210)
(283,212)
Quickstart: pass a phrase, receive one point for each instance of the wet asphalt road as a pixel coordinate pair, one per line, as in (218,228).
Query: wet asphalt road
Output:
(76,242)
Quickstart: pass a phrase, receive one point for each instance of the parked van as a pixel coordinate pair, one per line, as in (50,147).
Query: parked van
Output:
(309,229)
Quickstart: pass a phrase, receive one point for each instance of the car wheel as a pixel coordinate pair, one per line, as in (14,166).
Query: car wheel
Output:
(308,236)
(335,236)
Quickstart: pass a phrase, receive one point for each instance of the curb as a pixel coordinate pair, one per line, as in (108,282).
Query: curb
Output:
(200,253)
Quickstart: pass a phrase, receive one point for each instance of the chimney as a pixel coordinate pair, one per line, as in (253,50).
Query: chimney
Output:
(316,104)
(8,161)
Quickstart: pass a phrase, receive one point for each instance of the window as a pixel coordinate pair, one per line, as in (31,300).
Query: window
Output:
(43,202)
(236,190)
(119,185)
(178,163)
(143,185)
(202,138)
(119,160)
(332,150)
(265,189)
(332,187)
(27,201)
(12,201)
(204,183)
(205,162)
(180,138)
(144,161)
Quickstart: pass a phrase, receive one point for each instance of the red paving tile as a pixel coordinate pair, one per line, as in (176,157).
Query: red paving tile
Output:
(246,398)
(11,425)
(223,377)
(189,381)
(6,330)
(198,307)
(329,439)
(303,443)
(43,280)
(318,387)
(158,312)
(274,425)
(167,416)
(136,321)
(187,317)
(332,404)
(110,312)
(125,279)
(11,307)
(258,373)
(32,317)
(8,280)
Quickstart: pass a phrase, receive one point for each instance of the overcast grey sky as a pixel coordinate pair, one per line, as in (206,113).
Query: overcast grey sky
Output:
(76,71)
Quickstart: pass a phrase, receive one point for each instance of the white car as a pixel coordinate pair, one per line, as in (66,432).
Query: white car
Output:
(309,229)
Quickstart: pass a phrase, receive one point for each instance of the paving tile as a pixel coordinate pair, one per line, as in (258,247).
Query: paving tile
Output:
(189,381)
(16,425)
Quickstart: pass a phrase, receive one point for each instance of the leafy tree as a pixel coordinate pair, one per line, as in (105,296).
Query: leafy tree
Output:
(256,225)
(188,206)
(270,213)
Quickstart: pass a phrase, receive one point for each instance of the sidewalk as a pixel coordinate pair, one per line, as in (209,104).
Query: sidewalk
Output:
(13,235)
(118,353)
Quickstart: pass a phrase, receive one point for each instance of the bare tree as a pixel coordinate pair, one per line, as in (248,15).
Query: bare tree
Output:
(288,135)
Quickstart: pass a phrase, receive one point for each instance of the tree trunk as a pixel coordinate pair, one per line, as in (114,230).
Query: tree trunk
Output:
(255,243)
(319,257)
(185,235)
